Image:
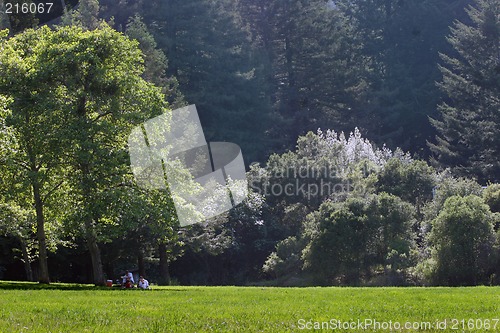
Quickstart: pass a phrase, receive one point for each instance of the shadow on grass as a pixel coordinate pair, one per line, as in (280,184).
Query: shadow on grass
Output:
(17,285)
(9,285)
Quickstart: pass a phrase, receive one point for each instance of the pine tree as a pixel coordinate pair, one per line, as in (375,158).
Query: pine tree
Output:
(401,39)
(469,128)
(85,15)
(121,11)
(155,61)
(312,63)
(208,52)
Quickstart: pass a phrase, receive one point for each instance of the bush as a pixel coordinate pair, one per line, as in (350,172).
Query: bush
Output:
(462,242)
(448,186)
(286,260)
(411,181)
(360,239)
(491,196)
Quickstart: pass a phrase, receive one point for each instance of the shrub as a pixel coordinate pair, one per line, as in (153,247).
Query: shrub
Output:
(491,196)
(361,238)
(411,181)
(462,242)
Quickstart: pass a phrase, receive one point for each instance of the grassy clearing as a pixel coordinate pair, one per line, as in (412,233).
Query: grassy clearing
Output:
(79,308)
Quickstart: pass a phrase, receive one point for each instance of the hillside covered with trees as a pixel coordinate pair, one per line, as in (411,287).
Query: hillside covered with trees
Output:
(370,132)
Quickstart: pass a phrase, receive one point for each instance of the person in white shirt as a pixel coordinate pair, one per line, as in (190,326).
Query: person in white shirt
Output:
(128,276)
(143,283)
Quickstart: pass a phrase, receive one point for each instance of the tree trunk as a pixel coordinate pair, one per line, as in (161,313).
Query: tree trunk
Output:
(109,270)
(140,263)
(164,272)
(91,218)
(26,259)
(95,255)
(43,273)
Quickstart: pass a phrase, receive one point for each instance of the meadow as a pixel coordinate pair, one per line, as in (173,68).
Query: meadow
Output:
(26,307)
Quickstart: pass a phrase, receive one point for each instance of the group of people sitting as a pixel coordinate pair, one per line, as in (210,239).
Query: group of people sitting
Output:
(128,281)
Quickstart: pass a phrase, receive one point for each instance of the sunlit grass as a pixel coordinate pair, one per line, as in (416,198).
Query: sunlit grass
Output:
(83,308)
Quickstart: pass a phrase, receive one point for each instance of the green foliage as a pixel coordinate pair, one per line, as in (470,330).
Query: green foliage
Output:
(108,98)
(491,196)
(304,64)
(15,220)
(262,73)
(90,83)
(16,214)
(448,186)
(85,16)
(399,41)
(34,168)
(287,258)
(312,64)
(461,242)
(412,182)
(325,165)
(238,239)
(327,157)
(216,69)
(7,139)
(155,60)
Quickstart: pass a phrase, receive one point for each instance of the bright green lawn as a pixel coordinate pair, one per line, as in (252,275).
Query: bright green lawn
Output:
(72,308)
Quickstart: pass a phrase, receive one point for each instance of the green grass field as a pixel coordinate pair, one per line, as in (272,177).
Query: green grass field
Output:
(77,308)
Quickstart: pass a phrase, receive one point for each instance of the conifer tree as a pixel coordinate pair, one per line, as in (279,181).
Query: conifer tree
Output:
(155,61)
(312,63)
(469,127)
(401,40)
(208,52)
(85,15)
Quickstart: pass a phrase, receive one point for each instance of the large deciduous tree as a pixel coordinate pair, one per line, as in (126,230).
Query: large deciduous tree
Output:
(80,92)
(469,127)
(35,160)
(105,96)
